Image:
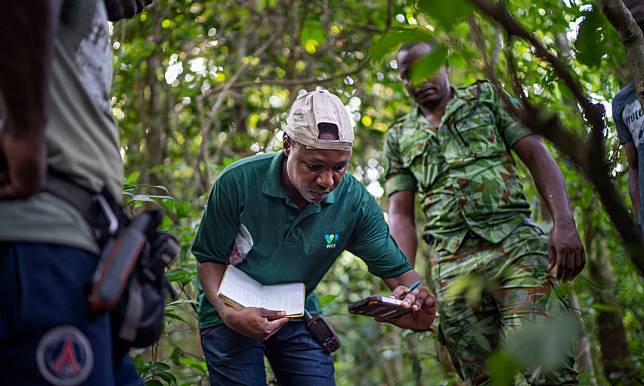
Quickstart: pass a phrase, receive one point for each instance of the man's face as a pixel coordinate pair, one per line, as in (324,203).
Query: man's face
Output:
(429,93)
(314,173)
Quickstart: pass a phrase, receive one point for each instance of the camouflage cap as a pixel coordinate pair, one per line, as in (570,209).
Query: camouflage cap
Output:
(316,107)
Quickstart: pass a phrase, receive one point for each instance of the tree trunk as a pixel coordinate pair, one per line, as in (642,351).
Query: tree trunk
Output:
(584,357)
(154,145)
(618,367)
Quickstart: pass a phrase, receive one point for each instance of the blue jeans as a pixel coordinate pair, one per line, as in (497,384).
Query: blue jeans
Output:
(296,359)
(47,336)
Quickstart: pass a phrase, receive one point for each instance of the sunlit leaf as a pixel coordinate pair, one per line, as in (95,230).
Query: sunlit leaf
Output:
(195,364)
(133,177)
(180,275)
(312,36)
(428,65)
(447,12)
(394,39)
(327,299)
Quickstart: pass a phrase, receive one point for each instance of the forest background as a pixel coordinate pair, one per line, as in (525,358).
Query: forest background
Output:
(200,84)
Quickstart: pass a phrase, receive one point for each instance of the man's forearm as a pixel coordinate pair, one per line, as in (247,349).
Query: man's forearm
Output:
(210,275)
(407,279)
(404,232)
(402,222)
(547,177)
(26,36)
(634,190)
(550,183)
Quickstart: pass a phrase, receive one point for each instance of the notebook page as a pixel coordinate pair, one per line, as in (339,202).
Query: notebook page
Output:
(238,286)
(284,297)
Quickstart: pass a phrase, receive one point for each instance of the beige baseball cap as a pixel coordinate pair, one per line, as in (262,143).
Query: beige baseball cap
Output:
(316,107)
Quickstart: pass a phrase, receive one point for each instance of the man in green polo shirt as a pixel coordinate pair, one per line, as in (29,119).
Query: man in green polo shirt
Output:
(301,210)
(454,150)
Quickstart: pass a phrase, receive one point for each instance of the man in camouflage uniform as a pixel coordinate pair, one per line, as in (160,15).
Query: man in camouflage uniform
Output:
(454,150)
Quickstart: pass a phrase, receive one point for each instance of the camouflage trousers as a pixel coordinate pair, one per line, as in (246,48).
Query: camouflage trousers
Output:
(520,291)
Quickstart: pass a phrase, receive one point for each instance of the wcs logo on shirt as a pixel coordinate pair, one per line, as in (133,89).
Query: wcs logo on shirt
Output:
(331,239)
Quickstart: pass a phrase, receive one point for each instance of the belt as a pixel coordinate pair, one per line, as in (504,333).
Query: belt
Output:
(100,210)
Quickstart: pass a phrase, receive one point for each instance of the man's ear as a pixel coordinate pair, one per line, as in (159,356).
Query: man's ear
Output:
(286,142)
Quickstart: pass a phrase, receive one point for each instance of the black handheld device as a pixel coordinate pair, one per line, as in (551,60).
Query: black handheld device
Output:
(379,307)
(322,332)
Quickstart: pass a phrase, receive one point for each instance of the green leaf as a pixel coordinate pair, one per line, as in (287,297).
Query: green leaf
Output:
(543,343)
(502,368)
(176,355)
(173,315)
(156,366)
(604,307)
(312,36)
(327,299)
(229,160)
(590,40)
(566,94)
(469,286)
(446,12)
(395,38)
(133,177)
(182,301)
(168,377)
(428,65)
(180,275)
(195,364)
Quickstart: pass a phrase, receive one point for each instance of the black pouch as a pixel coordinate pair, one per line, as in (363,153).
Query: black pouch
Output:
(130,281)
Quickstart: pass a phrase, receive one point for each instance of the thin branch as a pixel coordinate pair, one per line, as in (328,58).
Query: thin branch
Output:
(223,90)
(498,43)
(297,82)
(514,75)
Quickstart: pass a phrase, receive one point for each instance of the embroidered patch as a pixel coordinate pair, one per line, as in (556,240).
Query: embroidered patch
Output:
(331,239)
(64,356)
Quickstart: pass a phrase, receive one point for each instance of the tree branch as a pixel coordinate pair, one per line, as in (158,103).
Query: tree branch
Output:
(632,39)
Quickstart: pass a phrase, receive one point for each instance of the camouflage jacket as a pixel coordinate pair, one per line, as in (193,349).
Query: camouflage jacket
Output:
(462,169)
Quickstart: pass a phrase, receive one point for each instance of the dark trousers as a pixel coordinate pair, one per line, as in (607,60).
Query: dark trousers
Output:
(296,359)
(47,336)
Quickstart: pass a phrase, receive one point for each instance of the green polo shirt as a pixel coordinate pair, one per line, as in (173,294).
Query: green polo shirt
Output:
(291,245)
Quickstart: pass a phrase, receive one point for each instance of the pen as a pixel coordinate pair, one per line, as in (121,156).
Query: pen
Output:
(410,289)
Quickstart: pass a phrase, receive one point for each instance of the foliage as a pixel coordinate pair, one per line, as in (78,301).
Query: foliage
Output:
(200,84)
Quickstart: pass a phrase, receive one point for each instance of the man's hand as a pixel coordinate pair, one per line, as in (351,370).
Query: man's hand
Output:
(22,171)
(423,305)
(257,323)
(566,251)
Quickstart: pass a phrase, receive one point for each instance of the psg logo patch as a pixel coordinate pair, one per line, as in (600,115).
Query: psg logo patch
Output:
(64,356)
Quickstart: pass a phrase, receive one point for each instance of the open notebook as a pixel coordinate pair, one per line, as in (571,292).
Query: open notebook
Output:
(239,290)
